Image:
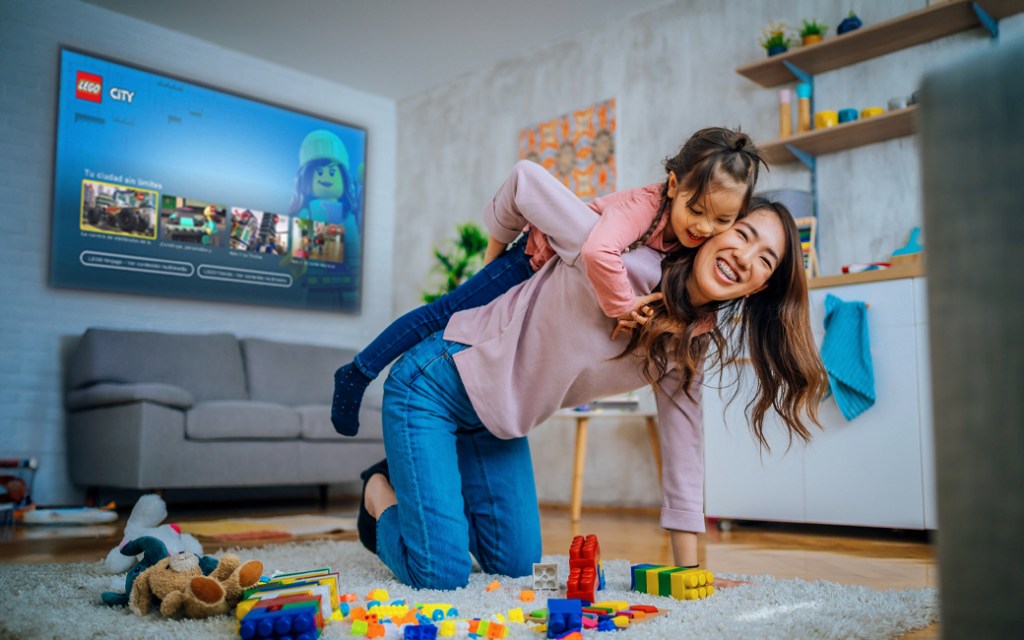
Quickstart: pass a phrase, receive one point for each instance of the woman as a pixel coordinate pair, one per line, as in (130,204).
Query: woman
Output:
(458,477)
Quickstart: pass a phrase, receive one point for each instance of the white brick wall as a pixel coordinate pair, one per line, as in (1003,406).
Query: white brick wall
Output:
(36,317)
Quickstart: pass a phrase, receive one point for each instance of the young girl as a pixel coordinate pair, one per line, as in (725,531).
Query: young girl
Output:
(708,187)
(458,479)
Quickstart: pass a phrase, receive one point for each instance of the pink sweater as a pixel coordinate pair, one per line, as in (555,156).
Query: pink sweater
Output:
(625,217)
(544,344)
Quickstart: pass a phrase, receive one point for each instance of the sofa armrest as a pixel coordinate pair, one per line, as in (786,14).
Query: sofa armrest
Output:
(107,394)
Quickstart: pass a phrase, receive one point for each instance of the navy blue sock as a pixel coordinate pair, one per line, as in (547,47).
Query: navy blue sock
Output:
(349,386)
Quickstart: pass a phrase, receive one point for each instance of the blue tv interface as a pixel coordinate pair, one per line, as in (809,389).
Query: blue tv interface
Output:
(165,187)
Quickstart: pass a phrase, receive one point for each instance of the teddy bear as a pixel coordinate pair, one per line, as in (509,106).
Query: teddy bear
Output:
(145,519)
(179,584)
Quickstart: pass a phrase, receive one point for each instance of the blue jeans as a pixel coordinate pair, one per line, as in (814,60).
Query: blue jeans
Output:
(497,277)
(460,489)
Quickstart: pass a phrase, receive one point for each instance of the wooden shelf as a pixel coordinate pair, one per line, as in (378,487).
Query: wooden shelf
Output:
(893,124)
(911,29)
(894,273)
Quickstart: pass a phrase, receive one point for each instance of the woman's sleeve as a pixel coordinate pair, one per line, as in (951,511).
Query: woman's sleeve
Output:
(680,431)
(533,196)
(619,227)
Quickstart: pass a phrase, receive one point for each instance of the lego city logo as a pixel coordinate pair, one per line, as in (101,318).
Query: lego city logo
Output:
(122,95)
(89,86)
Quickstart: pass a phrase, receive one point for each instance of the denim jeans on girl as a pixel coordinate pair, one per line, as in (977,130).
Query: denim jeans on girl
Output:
(460,489)
(494,279)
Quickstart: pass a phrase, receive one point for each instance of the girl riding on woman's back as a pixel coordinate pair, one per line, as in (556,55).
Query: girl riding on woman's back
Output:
(708,187)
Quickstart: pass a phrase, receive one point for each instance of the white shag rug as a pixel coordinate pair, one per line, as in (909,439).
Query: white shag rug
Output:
(63,601)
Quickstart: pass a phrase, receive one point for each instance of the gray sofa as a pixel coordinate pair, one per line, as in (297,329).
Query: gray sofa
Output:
(152,411)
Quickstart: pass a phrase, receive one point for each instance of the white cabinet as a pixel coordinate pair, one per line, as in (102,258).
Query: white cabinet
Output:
(871,471)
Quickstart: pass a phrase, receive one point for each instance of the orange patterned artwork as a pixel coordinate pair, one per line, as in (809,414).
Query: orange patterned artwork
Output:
(578,148)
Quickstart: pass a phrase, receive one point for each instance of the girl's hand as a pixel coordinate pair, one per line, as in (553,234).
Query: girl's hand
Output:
(638,316)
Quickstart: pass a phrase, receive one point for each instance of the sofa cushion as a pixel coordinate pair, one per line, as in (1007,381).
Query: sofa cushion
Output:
(291,374)
(111,393)
(241,420)
(316,423)
(209,365)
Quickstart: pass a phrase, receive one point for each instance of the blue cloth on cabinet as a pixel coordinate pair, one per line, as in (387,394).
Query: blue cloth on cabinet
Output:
(846,353)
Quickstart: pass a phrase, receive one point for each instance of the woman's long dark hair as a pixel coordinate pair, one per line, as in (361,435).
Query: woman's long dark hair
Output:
(771,328)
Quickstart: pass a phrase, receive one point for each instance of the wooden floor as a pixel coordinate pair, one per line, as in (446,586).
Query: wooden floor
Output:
(879,559)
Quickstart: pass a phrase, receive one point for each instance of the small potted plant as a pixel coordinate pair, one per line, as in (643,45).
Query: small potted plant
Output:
(812,32)
(775,38)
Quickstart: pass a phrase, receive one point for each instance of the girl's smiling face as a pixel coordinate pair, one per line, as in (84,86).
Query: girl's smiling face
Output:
(713,213)
(740,261)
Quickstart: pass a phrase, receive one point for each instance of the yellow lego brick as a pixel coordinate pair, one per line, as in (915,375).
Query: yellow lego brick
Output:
(621,621)
(689,579)
(447,629)
(389,610)
(516,615)
(614,605)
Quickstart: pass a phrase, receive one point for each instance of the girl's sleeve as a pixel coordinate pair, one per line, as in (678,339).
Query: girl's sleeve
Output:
(680,431)
(619,227)
(533,196)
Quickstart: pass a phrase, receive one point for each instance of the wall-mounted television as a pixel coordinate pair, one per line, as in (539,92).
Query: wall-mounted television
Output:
(167,187)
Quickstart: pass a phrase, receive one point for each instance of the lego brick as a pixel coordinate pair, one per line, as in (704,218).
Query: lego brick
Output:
(564,616)
(545,576)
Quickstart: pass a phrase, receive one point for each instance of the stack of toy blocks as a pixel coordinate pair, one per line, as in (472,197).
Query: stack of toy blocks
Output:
(291,605)
(586,573)
(678,582)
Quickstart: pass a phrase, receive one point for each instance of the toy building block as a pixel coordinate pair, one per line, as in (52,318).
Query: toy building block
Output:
(564,616)
(420,632)
(526,595)
(494,586)
(585,552)
(296,622)
(680,583)
(545,576)
(582,584)
(359,627)
(378,594)
(516,615)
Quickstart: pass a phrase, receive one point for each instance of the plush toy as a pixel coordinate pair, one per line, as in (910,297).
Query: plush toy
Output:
(180,584)
(144,521)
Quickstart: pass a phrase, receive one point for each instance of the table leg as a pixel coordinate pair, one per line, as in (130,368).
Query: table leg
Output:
(652,435)
(577,469)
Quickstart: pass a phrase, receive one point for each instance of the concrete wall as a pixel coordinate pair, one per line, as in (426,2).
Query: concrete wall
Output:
(38,319)
(671,71)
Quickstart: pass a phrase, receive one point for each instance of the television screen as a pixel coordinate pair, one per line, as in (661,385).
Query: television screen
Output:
(166,187)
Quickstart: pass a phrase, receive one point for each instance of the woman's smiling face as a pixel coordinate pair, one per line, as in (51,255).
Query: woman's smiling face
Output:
(740,261)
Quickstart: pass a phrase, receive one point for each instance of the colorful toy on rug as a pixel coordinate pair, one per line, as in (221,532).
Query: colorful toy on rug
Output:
(681,583)
(179,583)
(586,573)
(144,521)
(293,605)
(564,622)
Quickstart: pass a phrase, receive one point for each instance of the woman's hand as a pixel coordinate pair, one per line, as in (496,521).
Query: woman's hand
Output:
(637,316)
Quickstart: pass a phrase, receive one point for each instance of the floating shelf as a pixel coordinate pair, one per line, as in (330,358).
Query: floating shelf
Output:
(893,124)
(910,29)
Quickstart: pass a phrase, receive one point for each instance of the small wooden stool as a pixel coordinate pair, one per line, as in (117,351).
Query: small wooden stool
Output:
(582,422)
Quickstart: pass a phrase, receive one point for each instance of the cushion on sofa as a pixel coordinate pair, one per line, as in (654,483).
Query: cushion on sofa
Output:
(291,374)
(316,424)
(111,393)
(209,365)
(241,420)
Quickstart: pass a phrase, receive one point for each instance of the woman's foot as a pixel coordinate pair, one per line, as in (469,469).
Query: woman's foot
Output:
(378,495)
(349,386)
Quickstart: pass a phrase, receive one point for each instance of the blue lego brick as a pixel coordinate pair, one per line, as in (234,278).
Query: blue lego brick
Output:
(420,632)
(564,616)
(298,623)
